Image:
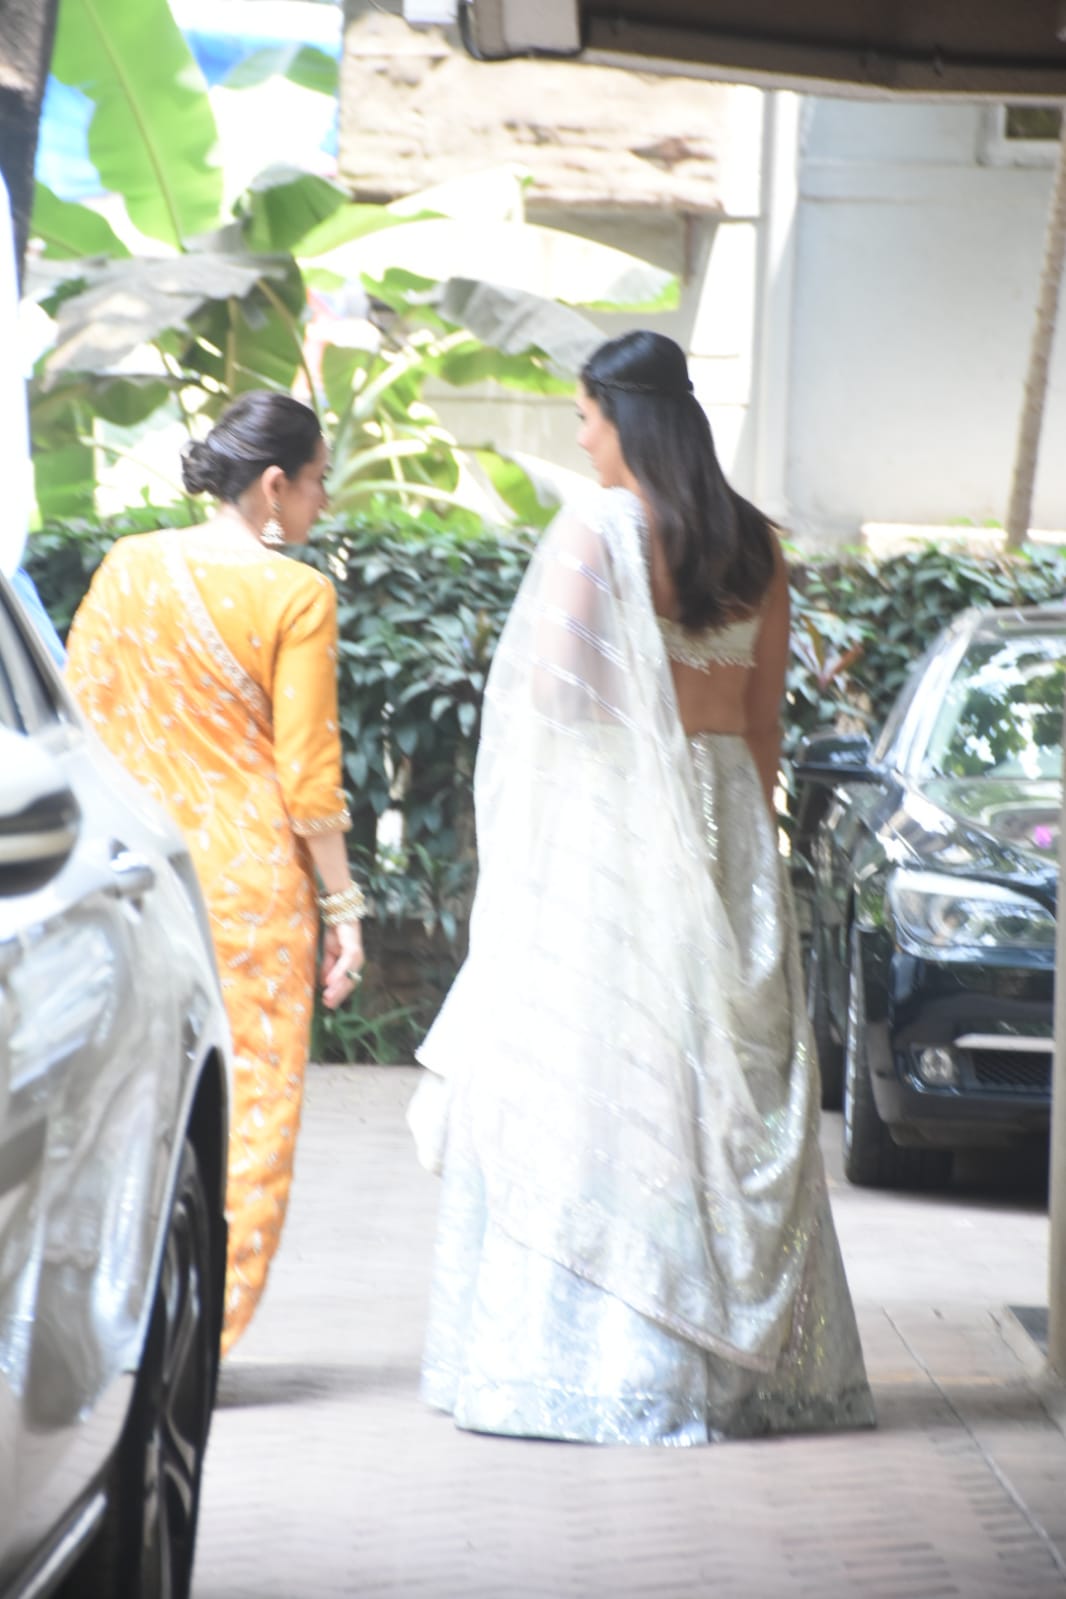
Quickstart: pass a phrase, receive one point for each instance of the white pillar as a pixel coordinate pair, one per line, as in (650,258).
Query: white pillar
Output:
(779,201)
(1057,1240)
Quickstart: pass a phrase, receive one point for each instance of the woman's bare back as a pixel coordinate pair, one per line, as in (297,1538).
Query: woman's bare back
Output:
(732,690)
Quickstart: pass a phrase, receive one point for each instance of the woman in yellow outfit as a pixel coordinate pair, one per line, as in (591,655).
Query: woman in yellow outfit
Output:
(207,663)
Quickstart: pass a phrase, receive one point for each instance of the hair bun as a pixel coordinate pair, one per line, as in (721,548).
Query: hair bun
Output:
(262,428)
(201,470)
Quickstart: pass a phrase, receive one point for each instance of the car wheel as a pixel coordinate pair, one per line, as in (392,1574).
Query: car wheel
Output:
(146,1544)
(830,1054)
(871,1158)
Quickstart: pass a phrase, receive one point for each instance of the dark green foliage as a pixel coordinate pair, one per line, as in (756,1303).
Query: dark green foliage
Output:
(421,604)
(362,1031)
(858,626)
(61,557)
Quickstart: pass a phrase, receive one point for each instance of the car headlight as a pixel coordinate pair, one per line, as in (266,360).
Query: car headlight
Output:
(951,913)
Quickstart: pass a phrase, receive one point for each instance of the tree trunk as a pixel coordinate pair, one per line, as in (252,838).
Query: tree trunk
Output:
(27,31)
(1019,511)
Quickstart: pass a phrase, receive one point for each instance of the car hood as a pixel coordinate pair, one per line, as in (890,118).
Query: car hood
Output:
(1003,828)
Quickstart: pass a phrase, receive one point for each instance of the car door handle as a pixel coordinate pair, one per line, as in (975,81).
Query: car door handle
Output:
(131,875)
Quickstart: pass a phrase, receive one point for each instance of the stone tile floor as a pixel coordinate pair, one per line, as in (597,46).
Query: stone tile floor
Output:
(327,1477)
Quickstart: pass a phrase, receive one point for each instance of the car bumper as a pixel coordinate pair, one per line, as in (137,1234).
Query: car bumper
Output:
(995,1021)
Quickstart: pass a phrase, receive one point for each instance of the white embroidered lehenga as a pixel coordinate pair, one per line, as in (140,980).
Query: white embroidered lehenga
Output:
(634,1239)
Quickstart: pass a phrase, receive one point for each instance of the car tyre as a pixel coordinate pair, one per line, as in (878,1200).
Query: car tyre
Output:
(146,1544)
(871,1157)
(830,1053)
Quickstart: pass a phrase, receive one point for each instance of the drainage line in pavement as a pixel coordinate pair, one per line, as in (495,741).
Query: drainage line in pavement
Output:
(997,1472)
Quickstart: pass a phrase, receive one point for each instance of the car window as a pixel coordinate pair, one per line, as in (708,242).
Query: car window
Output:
(31,700)
(1001,714)
(887,736)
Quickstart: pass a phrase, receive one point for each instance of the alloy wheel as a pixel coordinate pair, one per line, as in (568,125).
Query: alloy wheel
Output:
(181,1406)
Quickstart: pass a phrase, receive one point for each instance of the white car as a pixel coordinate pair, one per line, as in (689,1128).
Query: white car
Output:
(114,1118)
(114,1102)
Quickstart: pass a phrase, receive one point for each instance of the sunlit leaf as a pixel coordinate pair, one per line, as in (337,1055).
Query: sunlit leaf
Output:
(521,256)
(515,488)
(259,335)
(397,287)
(153,136)
(475,363)
(303,64)
(351,222)
(515,322)
(339,367)
(127,401)
(282,207)
(68,230)
(130,302)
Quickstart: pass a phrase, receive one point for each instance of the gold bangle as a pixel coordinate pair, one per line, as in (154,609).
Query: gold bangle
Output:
(347,905)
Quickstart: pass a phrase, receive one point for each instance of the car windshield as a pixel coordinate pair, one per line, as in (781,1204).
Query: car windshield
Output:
(1002,710)
(1001,714)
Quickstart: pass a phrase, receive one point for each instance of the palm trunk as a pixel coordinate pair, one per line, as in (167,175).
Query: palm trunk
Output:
(1036,380)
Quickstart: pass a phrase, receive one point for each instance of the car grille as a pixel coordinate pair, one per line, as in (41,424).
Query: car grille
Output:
(1008,1072)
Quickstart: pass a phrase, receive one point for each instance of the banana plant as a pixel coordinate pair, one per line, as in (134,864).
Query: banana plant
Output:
(152,136)
(172,307)
(387,439)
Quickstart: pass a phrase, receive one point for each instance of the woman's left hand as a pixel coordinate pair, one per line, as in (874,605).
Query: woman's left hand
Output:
(342,962)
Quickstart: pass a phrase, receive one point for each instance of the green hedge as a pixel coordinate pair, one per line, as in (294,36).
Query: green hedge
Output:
(421,604)
(858,624)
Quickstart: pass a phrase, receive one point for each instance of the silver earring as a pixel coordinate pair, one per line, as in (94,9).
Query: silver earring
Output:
(272,531)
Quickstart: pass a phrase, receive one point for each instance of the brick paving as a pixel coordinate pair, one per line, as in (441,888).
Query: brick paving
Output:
(327,1477)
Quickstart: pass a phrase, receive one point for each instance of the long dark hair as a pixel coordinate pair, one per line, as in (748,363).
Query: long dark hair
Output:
(262,428)
(718,547)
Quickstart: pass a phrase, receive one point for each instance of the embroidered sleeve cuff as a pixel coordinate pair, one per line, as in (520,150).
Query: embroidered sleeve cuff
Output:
(339,822)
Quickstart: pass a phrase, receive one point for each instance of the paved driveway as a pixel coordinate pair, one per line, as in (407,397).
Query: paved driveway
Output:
(327,1477)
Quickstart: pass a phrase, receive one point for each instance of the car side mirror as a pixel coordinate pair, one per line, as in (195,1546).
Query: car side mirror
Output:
(39,816)
(834,758)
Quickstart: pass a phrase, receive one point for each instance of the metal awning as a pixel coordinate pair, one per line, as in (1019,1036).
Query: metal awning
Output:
(991,49)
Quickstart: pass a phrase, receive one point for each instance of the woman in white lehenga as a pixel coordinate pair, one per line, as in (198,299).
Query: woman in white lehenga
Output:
(634,1242)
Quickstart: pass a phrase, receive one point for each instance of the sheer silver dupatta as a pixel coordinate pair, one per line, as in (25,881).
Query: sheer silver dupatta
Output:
(587,1043)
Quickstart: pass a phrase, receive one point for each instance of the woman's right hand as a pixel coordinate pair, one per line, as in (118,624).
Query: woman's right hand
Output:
(342,962)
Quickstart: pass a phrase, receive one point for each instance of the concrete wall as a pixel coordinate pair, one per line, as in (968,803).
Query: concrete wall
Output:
(858,320)
(716,263)
(916,270)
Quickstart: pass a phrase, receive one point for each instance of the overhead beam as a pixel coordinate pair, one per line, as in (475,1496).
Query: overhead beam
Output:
(990,50)
(777,61)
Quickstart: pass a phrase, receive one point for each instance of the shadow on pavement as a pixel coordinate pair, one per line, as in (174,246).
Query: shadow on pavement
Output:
(246,1384)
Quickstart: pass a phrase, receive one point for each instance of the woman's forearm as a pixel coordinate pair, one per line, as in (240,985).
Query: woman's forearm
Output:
(329,855)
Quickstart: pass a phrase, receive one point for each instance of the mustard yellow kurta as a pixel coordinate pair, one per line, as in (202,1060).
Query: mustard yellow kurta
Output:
(208,666)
